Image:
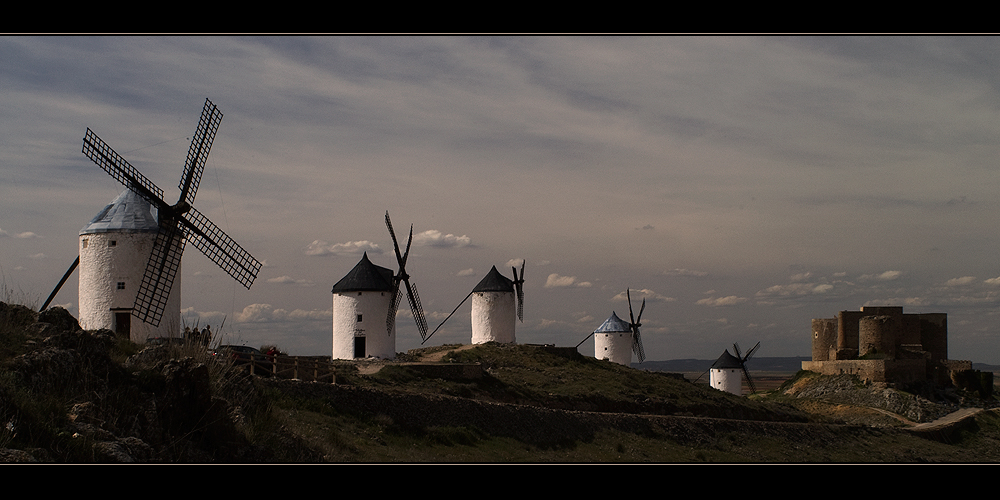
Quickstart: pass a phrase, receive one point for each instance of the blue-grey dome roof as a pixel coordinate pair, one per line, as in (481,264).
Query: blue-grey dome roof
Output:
(129,213)
(614,324)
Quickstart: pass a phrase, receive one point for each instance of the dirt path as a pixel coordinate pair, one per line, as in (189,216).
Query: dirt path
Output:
(369,367)
(436,356)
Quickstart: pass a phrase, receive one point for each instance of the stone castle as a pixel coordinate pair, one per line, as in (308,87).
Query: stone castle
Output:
(882,344)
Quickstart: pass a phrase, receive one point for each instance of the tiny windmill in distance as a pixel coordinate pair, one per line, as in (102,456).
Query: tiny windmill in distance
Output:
(177,223)
(728,371)
(616,340)
(411,289)
(494,306)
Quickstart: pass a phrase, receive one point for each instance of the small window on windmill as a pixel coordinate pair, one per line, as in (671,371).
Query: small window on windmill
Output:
(359,318)
(121,285)
(85,241)
(113,243)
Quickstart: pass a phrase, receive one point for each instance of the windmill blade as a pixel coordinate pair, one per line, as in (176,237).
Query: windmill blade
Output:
(736,349)
(220,248)
(750,352)
(201,144)
(61,282)
(519,288)
(390,319)
(112,163)
(399,257)
(746,373)
(416,309)
(585,339)
(161,270)
(640,353)
(447,318)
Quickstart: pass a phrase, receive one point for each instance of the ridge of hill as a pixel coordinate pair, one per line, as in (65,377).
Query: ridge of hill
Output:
(74,396)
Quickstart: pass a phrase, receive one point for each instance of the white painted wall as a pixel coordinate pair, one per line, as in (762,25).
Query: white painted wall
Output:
(493,317)
(373,308)
(103,265)
(727,379)
(614,346)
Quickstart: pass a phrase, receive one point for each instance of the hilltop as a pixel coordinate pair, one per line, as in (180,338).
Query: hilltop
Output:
(74,396)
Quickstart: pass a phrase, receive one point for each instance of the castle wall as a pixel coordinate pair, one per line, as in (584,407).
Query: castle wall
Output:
(824,338)
(934,334)
(877,336)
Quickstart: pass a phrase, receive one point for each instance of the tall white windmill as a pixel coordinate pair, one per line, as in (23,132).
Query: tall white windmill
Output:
(727,373)
(496,302)
(114,249)
(365,303)
(103,262)
(616,340)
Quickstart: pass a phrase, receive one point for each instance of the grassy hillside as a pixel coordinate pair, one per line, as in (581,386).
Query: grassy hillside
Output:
(73,396)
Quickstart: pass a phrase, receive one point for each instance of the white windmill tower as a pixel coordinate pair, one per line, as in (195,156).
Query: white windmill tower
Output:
(494,301)
(114,249)
(365,303)
(727,373)
(142,271)
(360,301)
(616,340)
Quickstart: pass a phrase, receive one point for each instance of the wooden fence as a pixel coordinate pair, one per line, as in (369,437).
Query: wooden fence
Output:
(294,367)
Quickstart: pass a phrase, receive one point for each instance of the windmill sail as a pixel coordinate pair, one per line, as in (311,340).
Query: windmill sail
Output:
(634,324)
(401,277)
(179,222)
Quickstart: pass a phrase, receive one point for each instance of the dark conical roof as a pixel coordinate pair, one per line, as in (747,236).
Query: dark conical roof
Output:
(494,282)
(727,361)
(365,277)
(613,324)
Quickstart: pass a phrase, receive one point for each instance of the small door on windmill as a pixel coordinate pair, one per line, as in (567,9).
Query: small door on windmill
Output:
(123,324)
(359,347)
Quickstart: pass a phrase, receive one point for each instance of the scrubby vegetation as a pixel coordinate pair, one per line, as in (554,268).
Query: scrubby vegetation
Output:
(73,396)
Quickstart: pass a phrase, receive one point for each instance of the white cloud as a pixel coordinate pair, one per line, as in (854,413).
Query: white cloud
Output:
(265,313)
(556,281)
(992,281)
(964,280)
(886,276)
(288,280)
(644,293)
(722,301)
(435,238)
(465,272)
(322,248)
(685,272)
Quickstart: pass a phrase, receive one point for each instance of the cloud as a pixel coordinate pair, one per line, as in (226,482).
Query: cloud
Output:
(465,272)
(731,300)
(515,263)
(265,313)
(556,281)
(685,272)
(322,248)
(795,289)
(288,280)
(435,238)
(644,293)
(24,236)
(964,280)
(886,276)
(37,256)
(992,281)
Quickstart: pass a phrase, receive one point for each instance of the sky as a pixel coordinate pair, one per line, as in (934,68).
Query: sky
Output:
(741,185)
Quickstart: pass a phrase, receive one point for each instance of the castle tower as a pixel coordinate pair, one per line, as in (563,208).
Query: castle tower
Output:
(114,249)
(493,309)
(726,374)
(361,303)
(613,341)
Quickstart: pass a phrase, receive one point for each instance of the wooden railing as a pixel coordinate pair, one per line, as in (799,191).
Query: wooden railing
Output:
(294,367)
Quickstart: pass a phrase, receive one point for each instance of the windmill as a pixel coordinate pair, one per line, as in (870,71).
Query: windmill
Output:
(616,340)
(177,223)
(493,307)
(726,372)
(411,289)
